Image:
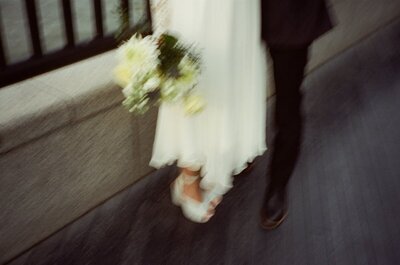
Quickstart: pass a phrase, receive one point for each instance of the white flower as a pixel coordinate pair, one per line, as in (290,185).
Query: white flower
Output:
(140,107)
(143,104)
(189,71)
(152,84)
(140,54)
(128,90)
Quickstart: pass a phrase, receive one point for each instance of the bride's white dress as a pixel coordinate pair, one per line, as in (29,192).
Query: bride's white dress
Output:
(231,130)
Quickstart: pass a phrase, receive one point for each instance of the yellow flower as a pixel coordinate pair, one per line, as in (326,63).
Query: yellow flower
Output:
(123,75)
(194,104)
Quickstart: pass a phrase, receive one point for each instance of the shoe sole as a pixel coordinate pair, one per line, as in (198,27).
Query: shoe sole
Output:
(174,198)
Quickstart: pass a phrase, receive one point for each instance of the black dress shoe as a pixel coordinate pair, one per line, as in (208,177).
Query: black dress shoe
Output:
(274,209)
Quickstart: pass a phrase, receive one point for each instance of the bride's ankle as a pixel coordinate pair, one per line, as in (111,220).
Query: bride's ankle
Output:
(191,187)
(189,177)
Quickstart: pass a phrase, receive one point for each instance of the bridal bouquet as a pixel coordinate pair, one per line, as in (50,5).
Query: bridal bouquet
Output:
(154,70)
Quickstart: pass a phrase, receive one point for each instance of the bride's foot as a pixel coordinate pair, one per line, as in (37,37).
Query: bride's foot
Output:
(186,193)
(191,188)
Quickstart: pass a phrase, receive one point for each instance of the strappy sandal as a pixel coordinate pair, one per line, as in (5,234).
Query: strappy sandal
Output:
(198,212)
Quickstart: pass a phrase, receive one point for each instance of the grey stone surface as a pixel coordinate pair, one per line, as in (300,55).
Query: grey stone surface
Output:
(54,180)
(354,21)
(87,86)
(146,132)
(28,110)
(37,106)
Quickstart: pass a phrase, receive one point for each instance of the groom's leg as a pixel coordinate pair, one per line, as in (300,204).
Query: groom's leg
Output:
(289,65)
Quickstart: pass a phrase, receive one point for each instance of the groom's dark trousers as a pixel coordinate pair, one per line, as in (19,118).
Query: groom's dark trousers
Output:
(289,65)
(288,28)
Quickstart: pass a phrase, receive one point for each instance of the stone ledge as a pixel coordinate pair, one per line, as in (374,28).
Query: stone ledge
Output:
(39,105)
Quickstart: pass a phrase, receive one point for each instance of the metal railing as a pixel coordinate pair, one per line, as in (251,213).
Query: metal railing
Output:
(40,62)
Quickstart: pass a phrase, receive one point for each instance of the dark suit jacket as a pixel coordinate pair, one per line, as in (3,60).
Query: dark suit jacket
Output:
(291,23)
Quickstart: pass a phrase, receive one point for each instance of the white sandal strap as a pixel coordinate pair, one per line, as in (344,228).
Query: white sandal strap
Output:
(187,179)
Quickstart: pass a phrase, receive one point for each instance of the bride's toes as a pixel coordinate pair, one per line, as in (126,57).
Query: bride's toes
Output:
(213,197)
(215,202)
(209,215)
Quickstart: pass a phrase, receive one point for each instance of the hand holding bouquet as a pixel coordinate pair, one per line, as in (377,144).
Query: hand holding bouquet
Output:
(158,70)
